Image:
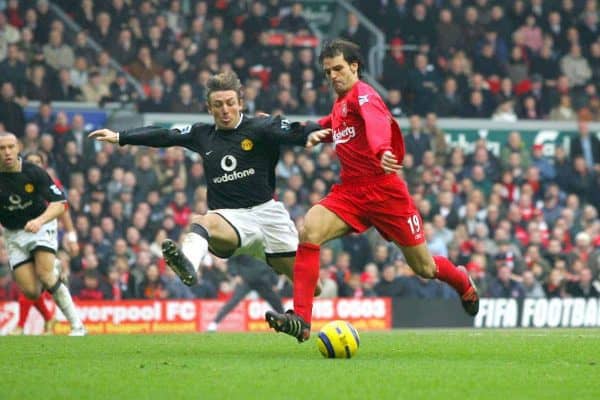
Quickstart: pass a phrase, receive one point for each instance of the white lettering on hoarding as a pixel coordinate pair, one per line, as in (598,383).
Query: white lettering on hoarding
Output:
(184,310)
(497,313)
(131,313)
(328,309)
(361,308)
(539,313)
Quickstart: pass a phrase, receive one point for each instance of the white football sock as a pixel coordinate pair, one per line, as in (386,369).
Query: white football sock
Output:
(195,248)
(63,300)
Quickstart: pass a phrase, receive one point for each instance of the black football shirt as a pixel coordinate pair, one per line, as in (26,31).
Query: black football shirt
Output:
(239,163)
(25,195)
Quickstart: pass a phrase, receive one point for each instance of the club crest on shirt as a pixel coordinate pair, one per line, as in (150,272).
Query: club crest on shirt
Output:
(29,188)
(344,110)
(247,144)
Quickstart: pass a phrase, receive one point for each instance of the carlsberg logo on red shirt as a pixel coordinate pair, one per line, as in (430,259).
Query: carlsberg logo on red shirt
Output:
(343,135)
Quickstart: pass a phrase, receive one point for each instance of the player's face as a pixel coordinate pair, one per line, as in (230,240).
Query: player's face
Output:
(9,152)
(226,108)
(340,73)
(35,159)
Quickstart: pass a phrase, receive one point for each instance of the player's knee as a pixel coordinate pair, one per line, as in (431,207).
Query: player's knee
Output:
(425,270)
(32,293)
(198,219)
(308,235)
(48,278)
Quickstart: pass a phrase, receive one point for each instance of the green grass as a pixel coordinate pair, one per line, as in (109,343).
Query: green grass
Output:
(427,364)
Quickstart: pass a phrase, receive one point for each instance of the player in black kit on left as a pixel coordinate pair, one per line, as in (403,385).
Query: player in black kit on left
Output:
(30,202)
(239,154)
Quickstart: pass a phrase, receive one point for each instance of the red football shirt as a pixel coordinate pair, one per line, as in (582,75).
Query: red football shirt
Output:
(363,128)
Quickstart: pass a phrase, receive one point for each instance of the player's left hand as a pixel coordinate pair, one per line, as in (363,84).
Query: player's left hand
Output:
(317,137)
(33,225)
(71,244)
(389,163)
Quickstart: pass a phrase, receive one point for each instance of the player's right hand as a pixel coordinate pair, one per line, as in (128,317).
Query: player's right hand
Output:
(33,225)
(317,137)
(105,135)
(389,163)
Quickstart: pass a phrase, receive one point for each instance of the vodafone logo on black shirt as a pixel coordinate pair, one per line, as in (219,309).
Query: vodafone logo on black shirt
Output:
(343,135)
(229,164)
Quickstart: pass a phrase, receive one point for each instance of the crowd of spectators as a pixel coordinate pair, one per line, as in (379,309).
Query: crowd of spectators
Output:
(537,59)
(524,223)
(457,58)
(170,51)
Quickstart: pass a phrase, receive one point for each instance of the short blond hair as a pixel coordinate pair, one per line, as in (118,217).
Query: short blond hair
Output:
(223,81)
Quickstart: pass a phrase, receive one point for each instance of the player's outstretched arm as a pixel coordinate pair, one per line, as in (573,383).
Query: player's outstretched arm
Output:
(154,136)
(316,137)
(282,131)
(105,135)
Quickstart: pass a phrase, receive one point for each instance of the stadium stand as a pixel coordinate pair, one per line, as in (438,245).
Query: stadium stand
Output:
(524,223)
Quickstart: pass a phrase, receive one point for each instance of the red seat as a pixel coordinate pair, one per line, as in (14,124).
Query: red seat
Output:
(262,73)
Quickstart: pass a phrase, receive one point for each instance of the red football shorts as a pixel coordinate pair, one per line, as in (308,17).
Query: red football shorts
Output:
(382,202)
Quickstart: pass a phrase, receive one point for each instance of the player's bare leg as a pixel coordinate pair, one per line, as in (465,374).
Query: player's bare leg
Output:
(47,273)
(31,288)
(426,266)
(27,280)
(320,225)
(210,230)
(285,266)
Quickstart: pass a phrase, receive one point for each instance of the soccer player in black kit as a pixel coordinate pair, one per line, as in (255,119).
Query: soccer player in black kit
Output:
(30,202)
(239,154)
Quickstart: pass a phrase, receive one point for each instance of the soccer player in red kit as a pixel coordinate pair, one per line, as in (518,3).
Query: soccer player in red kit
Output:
(370,147)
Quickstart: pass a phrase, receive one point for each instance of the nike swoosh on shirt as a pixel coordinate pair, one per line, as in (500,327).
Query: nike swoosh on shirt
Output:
(208,153)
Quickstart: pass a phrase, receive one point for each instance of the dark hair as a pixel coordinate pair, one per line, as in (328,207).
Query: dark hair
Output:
(36,153)
(224,81)
(350,51)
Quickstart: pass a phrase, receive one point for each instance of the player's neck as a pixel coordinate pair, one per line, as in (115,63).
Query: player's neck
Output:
(237,124)
(344,93)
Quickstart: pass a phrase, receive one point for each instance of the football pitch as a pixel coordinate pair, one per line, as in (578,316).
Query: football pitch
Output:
(404,364)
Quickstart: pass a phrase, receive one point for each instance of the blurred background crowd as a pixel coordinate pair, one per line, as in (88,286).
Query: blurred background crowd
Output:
(524,223)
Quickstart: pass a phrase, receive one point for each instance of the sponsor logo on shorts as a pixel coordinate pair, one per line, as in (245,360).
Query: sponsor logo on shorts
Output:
(344,135)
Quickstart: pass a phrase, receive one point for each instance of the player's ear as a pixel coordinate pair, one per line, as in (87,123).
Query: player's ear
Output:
(208,108)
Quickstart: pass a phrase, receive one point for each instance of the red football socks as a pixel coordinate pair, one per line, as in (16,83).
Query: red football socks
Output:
(447,272)
(306,275)
(40,304)
(24,307)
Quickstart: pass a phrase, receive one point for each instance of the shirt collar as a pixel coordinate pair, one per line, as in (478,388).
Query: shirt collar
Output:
(237,125)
